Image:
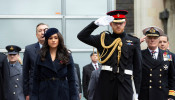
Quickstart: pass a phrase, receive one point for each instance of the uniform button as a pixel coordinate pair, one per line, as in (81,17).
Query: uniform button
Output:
(160,69)
(16,86)
(150,81)
(160,81)
(160,75)
(150,87)
(150,74)
(17,79)
(160,87)
(150,69)
(14,93)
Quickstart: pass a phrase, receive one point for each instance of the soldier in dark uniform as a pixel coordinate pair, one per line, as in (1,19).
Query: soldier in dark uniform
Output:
(164,45)
(13,81)
(3,66)
(158,74)
(120,57)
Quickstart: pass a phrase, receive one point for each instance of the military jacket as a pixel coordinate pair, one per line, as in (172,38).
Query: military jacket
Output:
(158,76)
(13,83)
(130,56)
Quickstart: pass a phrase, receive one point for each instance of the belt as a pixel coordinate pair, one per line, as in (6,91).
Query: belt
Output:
(53,79)
(109,68)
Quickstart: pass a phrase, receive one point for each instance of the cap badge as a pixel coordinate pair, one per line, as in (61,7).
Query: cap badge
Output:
(152,30)
(118,15)
(165,67)
(11,48)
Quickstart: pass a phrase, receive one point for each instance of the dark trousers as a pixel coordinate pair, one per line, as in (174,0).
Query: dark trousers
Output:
(109,87)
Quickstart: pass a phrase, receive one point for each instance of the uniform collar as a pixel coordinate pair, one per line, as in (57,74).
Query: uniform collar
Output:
(119,35)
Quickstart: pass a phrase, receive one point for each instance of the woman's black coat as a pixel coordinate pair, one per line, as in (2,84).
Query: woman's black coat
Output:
(63,88)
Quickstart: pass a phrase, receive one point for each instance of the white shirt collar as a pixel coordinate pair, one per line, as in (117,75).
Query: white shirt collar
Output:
(157,50)
(94,65)
(40,45)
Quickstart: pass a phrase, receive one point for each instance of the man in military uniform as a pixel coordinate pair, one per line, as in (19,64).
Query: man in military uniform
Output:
(3,67)
(158,74)
(13,80)
(120,56)
(164,45)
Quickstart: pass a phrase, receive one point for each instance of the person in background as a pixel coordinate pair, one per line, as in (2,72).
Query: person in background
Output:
(158,73)
(164,45)
(3,68)
(93,83)
(79,79)
(54,76)
(87,70)
(29,59)
(13,82)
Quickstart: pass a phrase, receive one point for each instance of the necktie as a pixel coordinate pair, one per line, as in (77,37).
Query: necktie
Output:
(153,54)
(11,65)
(96,67)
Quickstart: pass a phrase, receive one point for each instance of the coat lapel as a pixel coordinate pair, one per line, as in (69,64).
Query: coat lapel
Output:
(15,69)
(91,67)
(47,63)
(159,59)
(147,58)
(37,48)
(149,61)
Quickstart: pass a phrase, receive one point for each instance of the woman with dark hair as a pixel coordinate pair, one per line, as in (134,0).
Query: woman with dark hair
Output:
(54,77)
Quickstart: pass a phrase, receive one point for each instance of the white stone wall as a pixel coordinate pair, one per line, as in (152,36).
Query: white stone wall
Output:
(170,5)
(147,14)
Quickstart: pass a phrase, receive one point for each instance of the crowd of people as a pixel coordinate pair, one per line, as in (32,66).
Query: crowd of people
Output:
(119,70)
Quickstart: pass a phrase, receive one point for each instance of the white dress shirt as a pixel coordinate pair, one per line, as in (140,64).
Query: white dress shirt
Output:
(156,51)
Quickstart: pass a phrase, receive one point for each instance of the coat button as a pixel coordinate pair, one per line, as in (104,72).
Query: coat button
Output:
(150,81)
(17,79)
(160,69)
(150,69)
(150,87)
(160,81)
(160,75)
(14,93)
(160,87)
(16,86)
(150,74)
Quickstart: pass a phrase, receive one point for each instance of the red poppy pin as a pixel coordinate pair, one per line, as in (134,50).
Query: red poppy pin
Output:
(61,62)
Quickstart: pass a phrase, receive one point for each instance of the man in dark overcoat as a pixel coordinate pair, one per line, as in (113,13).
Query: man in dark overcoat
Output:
(13,80)
(87,70)
(79,79)
(93,83)
(158,73)
(120,57)
(29,59)
(3,66)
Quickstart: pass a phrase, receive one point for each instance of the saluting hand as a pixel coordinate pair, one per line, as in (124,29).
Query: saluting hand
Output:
(27,98)
(170,99)
(103,21)
(142,39)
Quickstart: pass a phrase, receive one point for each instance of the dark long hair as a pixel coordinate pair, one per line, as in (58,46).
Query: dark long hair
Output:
(61,54)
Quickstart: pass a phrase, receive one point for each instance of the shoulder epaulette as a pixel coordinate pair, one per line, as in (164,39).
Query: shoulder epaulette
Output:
(107,32)
(3,53)
(69,51)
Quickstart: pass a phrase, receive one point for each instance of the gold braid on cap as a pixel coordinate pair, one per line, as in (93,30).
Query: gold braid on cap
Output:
(115,43)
